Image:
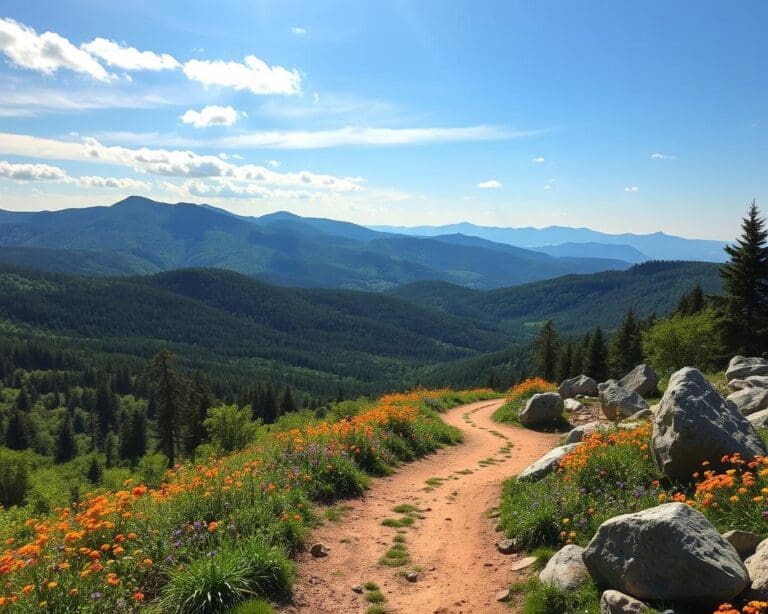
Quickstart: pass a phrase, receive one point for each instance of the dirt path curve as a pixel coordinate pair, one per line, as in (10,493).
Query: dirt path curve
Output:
(452,543)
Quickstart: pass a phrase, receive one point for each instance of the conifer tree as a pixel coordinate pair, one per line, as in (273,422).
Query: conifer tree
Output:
(565,363)
(286,403)
(95,471)
(111,450)
(133,435)
(743,312)
(625,351)
(17,433)
(65,449)
(546,352)
(596,357)
(168,393)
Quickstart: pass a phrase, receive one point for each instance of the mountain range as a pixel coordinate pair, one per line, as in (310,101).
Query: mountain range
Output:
(565,241)
(141,236)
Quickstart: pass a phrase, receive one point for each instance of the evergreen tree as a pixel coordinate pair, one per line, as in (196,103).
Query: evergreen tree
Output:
(111,450)
(743,312)
(22,401)
(546,352)
(286,403)
(65,449)
(565,363)
(95,471)
(626,351)
(597,357)
(133,435)
(168,392)
(105,408)
(196,412)
(18,434)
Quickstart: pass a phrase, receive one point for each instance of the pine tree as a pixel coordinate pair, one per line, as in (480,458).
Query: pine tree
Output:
(22,401)
(625,351)
(105,408)
(596,357)
(168,392)
(565,362)
(546,352)
(111,450)
(133,435)
(65,449)
(17,433)
(196,412)
(743,312)
(286,403)
(95,471)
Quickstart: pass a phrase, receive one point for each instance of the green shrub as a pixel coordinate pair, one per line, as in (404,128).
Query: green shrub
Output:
(678,342)
(253,606)
(231,427)
(152,469)
(547,599)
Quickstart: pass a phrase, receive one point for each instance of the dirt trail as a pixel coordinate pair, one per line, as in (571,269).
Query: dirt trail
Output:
(453,543)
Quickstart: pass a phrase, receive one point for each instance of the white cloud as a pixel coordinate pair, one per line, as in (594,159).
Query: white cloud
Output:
(31,172)
(298,31)
(46,52)
(538,160)
(491,184)
(129,58)
(660,156)
(224,188)
(212,115)
(122,183)
(351,136)
(254,75)
(631,188)
(273,163)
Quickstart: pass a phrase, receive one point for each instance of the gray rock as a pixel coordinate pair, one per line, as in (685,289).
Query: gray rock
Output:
(758,419)
(581,385)
(757,381)
(742,367)
(744,542)
(542,409)
(507,546)
(580,433)
(412,576)
(504,596)
(358,588)
(318,551)
(643,414)
(642,380)
(617,402)
(750,400)
(546,464)
(573,406)
(757,565)
(603,385)
(695,424)
(668,553)
(566,569)
(738,384)
(614,602)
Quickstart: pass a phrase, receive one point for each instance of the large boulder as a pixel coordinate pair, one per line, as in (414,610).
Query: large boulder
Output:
(606,384)
(742,367)
(757,565)
(581,384)
(614,602)
(642,379)
(566,569)
(546,464)
(759,419)
(695,424)
(618,402)
(542,409)
(753,381)
(750,400)
(668,553)
(744,542)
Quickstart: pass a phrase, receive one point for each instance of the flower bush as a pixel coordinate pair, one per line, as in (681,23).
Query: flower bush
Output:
(244,513)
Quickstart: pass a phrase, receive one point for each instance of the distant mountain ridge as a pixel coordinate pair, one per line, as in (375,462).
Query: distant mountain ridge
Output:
(139,235)
(584,241)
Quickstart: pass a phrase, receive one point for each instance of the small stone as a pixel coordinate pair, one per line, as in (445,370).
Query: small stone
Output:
(524,563)
(358,588)
(412,576)
(318,551)
(507,546)
(504,596)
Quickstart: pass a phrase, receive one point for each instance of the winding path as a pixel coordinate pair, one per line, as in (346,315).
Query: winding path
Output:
(453,541)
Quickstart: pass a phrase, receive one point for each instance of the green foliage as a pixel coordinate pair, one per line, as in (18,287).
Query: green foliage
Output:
(152,469)
(230,427)
(625,349)
(682,341)
(14,478)
(220,581)
(546,352)
(548,599)
(254,606)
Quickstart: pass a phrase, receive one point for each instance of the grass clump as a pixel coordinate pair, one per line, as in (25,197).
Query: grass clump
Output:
(543,598)
(254,606)
(396,523)
(336,513)
(405,508)
(376,609)
(375,597)
(435,481)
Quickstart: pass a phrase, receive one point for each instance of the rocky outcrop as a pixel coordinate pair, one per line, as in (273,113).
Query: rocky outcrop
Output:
(581,384)
(758,419)
(566,569)
(618,402)
(642,380)
(750,400)
(744,542)
(643,414)
(757,565)
(542,409)
(614,602)
(546,464)
(607,384)
(666,553)
(695,424)
(742,367)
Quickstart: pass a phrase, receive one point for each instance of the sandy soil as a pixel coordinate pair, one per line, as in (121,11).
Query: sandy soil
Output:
(452,544)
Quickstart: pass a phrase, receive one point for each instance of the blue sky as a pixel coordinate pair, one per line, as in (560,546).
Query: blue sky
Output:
(620,116)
